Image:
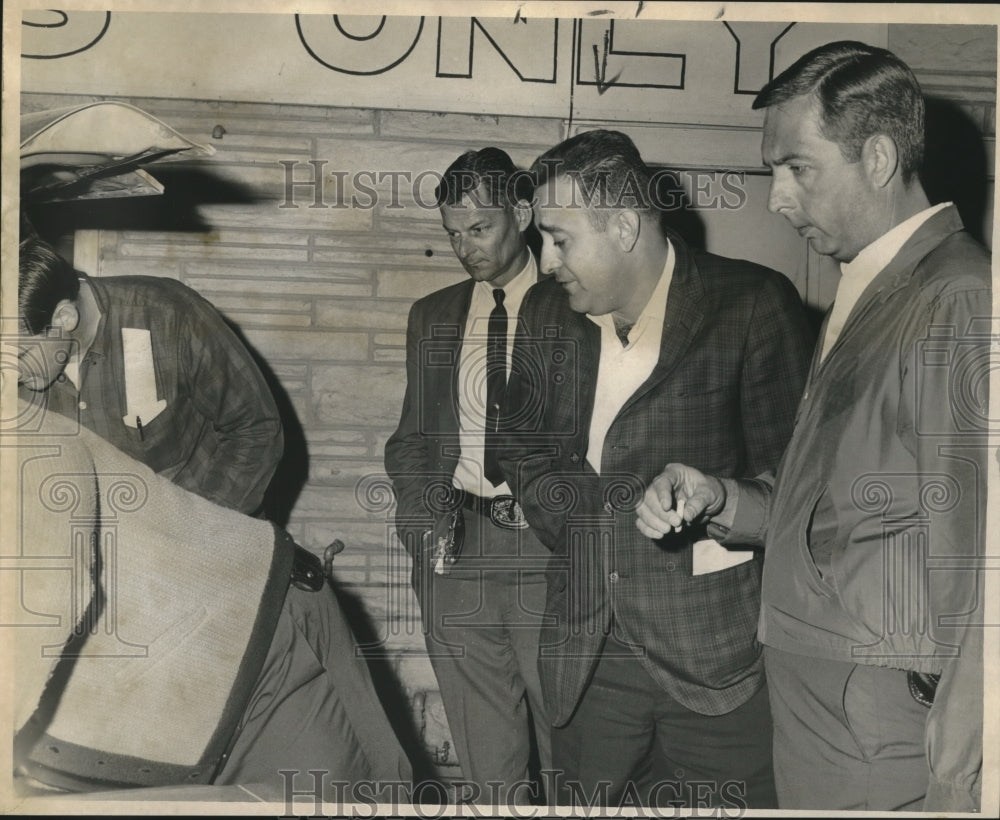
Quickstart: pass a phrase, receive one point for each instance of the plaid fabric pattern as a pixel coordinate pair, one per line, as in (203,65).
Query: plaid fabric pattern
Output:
(722,398)
(220,434)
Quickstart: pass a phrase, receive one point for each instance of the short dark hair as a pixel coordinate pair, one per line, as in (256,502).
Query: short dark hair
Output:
(607,169)
(861,91)
(489,176)
(44,280)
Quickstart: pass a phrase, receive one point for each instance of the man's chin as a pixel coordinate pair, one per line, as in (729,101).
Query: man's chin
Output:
(821,245)
(576,303)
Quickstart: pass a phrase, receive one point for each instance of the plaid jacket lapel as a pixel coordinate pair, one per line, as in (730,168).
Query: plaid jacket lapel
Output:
(682,320)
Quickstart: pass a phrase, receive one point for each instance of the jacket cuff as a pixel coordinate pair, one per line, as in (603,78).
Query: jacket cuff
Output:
(949,797)
(743,521)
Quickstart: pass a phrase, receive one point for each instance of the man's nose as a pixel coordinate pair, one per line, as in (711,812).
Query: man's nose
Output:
(549,261)
(778,198)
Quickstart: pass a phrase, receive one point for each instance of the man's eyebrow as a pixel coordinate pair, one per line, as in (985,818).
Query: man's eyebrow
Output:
(477,224)
(544,226)
(784,159)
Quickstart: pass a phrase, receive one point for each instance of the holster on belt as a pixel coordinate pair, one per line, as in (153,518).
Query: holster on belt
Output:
(922,686)
(307,570)
(446,540)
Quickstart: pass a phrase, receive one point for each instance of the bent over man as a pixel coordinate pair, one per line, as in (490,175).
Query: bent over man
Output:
(149,365)
(165,640)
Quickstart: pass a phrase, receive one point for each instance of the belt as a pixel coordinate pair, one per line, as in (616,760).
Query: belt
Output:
(502,510)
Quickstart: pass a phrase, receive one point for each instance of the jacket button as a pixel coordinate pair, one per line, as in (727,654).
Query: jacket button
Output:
(671,566)
(574,457)
(613,577)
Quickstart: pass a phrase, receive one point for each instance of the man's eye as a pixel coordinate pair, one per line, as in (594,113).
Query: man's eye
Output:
(558,243)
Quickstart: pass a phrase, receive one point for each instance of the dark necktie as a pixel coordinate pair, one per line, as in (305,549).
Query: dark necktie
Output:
(496,383)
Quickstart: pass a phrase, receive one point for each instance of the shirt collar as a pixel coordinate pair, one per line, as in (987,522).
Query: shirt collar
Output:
(100,298)
(875,257)
(656,307)
(515,289)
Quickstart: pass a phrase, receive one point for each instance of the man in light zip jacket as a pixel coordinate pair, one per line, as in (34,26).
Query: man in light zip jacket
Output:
(874,524)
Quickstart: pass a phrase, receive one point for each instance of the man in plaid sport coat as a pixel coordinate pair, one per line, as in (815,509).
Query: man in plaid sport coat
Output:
(641,350)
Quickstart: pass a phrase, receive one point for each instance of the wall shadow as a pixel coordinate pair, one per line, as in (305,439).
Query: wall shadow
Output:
(955,163)
(677,212)
(176,209)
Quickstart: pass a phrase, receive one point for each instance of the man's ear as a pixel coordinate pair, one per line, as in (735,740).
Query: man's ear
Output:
(523,214)
(881,159)
(627,225)
(66,316)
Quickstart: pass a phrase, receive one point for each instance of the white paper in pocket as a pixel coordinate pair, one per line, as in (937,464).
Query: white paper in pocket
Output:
(708,555)
(141,400)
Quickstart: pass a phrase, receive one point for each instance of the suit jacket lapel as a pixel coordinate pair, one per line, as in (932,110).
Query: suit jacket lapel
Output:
(588,362)
(682,319)
(445,330)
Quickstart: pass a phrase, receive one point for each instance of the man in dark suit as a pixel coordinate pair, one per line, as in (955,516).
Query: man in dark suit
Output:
(641,347)
(874,526)
(478,571)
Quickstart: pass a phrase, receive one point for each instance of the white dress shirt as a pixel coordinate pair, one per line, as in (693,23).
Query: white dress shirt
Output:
(472,377)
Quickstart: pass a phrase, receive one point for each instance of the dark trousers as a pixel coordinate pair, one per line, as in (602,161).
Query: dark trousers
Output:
(483,631)
(847,736)
(314,722)
(629,743)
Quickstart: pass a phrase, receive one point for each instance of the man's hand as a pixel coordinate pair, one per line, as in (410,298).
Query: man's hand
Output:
(679,495)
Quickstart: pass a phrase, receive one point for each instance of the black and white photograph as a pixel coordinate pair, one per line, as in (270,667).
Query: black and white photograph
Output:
(499,408)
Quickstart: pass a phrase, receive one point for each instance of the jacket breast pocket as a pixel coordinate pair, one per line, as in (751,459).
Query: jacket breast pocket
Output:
(708,390)
(695,401)
(697,423)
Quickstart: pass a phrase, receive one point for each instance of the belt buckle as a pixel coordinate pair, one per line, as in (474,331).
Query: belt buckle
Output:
(506,513)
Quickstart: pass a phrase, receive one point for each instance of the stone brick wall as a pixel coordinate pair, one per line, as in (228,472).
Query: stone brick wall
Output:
(321,293)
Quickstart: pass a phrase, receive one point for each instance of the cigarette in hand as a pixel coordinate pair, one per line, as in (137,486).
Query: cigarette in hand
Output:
(679,511)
